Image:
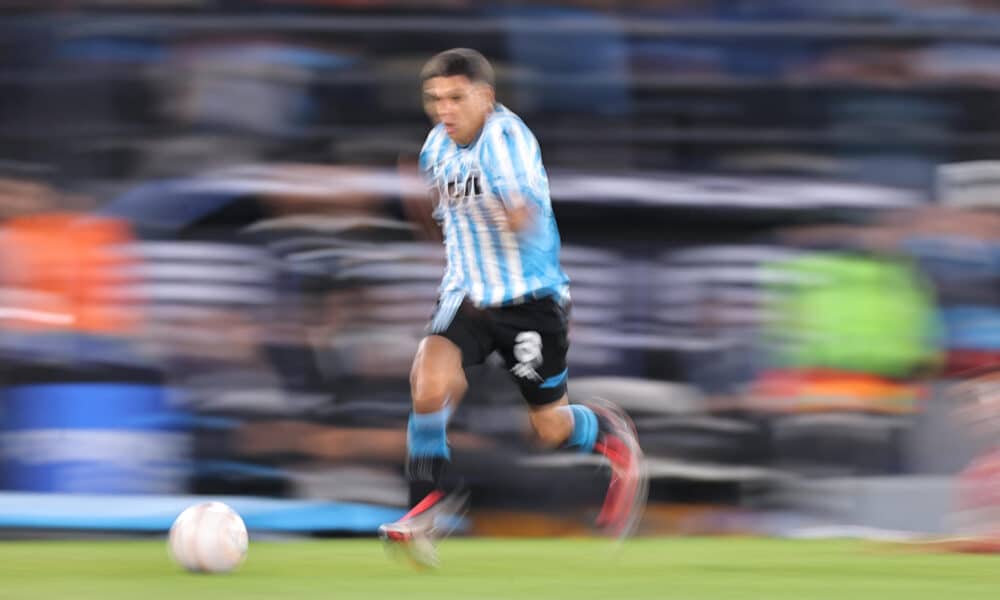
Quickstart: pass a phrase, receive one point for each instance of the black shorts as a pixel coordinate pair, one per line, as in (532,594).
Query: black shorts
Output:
(532,337)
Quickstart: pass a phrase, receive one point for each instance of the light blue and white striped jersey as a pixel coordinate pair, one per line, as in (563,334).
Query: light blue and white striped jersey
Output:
(487,262)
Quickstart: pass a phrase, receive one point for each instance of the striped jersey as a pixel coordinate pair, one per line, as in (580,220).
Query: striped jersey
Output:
(488,263)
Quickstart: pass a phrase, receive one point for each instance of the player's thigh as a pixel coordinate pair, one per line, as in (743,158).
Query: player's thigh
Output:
(436,375)
(534,342)
(457,338)
(466,327)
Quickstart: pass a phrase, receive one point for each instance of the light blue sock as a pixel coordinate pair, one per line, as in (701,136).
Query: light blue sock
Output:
(426,434)
(584,434)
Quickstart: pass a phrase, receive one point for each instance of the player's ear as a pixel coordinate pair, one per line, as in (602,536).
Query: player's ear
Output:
(429,110)
(488,94)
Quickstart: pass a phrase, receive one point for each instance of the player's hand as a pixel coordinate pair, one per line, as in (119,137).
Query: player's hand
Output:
(520,218)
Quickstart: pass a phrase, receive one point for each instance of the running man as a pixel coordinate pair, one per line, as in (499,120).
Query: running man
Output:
(503,290)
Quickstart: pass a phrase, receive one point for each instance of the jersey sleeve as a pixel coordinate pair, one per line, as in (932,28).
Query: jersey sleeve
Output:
(425,164)
(512,164)
(429,156)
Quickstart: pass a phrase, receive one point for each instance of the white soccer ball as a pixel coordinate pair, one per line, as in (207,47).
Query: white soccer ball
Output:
(208,538)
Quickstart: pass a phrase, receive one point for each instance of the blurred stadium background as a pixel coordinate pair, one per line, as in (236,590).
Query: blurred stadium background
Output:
(780,218)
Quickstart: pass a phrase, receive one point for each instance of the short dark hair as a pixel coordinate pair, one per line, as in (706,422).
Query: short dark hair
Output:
(459,61)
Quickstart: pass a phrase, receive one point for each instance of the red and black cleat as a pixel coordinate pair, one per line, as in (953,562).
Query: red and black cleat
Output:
(625,501)
(416,534)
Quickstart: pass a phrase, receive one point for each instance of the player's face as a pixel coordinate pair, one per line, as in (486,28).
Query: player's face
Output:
(458,103)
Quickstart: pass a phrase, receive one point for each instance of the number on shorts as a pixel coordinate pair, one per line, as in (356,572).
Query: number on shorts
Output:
(528,348)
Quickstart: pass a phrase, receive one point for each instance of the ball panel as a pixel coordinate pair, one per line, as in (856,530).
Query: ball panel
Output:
(209,538)
(182,537)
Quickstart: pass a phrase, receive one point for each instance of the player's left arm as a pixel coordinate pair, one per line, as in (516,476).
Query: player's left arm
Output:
(514,172)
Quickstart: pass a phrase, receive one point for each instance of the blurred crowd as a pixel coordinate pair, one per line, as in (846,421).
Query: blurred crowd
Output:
(780,220)
(119,92)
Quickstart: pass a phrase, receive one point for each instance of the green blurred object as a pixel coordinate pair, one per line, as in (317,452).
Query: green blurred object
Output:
(551,569)
(852,312)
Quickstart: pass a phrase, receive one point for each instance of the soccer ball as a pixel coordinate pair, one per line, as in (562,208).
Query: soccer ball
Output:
(208,538)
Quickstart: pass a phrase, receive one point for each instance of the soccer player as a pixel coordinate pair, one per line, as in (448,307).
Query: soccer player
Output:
(504,291)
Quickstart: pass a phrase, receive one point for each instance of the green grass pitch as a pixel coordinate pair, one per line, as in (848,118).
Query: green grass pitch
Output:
(472,569)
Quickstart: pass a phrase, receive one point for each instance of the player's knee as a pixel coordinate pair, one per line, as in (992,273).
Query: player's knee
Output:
(431,391)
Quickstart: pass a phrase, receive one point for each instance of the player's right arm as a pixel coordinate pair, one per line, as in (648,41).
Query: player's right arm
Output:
(420,207)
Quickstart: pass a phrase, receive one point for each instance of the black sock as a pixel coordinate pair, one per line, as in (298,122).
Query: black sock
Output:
(426,474)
